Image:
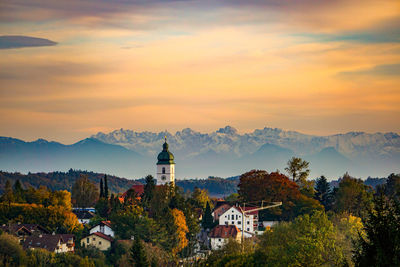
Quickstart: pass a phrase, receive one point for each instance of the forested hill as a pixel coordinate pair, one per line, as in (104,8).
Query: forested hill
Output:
(216,186)
(63,180)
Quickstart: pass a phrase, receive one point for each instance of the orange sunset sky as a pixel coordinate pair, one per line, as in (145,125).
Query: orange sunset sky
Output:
(318,67)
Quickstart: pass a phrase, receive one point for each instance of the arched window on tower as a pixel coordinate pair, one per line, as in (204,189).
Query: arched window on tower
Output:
(163,170)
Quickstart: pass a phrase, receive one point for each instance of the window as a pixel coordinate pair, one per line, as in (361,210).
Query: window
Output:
(233,222)
(236,217)
(248,229)
(94,239)
(102,229)
(163,170)
(219,239)
(228,216)
(87,240)
(99,242)
(226,223)
(239,222)
(248,222)
(163,177)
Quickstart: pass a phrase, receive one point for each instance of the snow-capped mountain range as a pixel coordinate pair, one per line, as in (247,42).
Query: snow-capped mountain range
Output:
(358,152)
(222,153)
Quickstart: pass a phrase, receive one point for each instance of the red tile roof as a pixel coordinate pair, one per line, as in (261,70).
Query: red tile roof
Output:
(248,209)
(138,188)
(224,231)
(108,223)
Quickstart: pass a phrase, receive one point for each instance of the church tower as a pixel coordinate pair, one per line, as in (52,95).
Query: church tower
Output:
(165,166)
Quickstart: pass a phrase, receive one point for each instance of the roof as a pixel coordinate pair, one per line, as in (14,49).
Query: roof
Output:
(223,208)
(108,223)
(224,231)
(138,188)
(48,242)
(83,214)
(165,156)
(248,209)
(32,228)
(106,237)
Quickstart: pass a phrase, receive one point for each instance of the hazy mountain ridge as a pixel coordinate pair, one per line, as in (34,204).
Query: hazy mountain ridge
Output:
(222,153)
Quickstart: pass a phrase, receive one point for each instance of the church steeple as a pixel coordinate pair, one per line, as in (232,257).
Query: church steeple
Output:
(165,165)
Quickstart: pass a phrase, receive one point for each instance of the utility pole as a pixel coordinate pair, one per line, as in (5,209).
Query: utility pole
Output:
(274,204)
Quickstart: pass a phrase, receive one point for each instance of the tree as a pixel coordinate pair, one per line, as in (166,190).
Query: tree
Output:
(258,185)
(353,197)
(101,188)
(8,195)
(381,246)
(181,230)
(105,187)
(11,252)
(18,192)
(297,169)
(208,220)
(149,189)
(323,192)
(200,197)
(138,254)
(392,187)
(307,241)
(84,192)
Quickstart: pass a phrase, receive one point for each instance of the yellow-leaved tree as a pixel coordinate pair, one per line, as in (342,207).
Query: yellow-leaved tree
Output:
(181,230)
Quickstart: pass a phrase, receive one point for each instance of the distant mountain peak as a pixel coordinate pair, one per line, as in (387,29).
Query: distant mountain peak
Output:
(227,130)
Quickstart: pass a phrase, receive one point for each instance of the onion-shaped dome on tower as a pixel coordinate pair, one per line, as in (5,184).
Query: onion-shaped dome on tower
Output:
(165,156)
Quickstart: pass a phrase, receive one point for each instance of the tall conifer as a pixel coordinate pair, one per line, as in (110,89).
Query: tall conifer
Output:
(101,188)
(105,187)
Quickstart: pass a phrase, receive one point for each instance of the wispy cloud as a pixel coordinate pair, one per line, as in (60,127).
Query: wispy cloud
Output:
(380,70)
(18,41)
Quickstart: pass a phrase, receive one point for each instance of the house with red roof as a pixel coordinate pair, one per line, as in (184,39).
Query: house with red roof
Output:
(220,235)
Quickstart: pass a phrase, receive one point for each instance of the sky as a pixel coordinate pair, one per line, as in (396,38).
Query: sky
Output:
(69,68)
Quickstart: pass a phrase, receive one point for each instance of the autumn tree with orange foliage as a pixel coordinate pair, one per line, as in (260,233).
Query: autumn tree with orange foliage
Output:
(181,230)
(259,185)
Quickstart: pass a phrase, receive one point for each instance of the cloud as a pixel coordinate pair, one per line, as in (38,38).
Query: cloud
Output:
(18,41)
(379,70)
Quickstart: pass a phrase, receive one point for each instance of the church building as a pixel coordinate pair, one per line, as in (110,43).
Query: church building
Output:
(165,166)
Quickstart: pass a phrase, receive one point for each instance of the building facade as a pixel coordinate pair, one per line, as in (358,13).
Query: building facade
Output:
(233,216)
(98,240)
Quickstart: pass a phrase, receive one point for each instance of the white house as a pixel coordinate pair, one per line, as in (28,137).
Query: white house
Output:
(103,227)
(220,235)
(233,216)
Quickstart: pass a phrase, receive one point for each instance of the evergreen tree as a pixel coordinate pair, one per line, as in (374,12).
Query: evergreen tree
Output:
(149,188)
(105,187)
(18,191)
(101,188)
(381,247)
(138,254)
(208,220)
(323,192)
